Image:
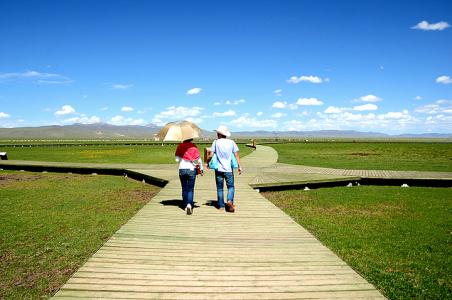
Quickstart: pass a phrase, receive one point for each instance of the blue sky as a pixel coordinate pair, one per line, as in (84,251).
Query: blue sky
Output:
(251,65)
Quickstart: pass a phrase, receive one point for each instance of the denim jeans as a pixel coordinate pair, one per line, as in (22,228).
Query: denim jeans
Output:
(220,177)
(187,179)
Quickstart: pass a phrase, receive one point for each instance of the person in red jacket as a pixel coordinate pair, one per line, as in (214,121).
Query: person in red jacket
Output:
(189,159)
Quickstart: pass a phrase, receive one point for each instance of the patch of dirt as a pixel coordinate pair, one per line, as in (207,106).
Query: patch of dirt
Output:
(363,154)
(10,178)
(377,210)
(140,195)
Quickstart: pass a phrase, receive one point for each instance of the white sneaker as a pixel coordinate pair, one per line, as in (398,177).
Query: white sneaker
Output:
(189,209)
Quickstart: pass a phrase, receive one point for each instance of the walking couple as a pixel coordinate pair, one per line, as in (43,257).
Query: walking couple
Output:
(227,157)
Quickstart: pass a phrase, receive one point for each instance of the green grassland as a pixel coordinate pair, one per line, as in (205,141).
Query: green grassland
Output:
(51,223)
(398,238)
(147,154)
(416,156)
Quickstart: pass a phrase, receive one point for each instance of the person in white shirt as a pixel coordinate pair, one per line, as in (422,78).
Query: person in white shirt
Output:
(225,149)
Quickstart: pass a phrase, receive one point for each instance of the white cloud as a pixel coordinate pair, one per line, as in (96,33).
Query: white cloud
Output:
(294,125)
(43,78)
(229,113)
(121,86)
(444,80)
(144,110)
(297,125)
(365,107)
(216,103)
(104,108)
(195,120)
(174,113)
(368,98)
(247,121)
(126,108)
(4,115)
(65,110)
(310,78)
(259,113)
(394,115)
(418,98)
(278,115)
(278,92)
(234,102)
(194,91)
(279,104)
(121,120)
(441,106)
(82,119)
(333,110)
(424,25)
(309,101)
(284,104)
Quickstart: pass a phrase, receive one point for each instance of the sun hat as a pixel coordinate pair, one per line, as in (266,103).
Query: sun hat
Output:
(223,130)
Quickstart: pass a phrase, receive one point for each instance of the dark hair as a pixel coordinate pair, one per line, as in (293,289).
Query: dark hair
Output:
(219,135)
(186,141)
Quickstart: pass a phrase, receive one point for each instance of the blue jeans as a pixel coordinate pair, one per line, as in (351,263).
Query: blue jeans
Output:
(187,179)
(220,177)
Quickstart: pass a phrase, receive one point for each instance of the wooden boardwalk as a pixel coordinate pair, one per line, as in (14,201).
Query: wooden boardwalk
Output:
(256,253)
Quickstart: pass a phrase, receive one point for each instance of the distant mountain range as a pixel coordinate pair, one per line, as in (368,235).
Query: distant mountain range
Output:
(107,131)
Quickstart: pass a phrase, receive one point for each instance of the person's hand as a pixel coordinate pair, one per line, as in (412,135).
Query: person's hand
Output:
(202,172)
(240,170)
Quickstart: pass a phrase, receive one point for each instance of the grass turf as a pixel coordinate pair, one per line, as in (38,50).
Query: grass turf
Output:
(148,154)
(369,155)
(51,223)
(398,238)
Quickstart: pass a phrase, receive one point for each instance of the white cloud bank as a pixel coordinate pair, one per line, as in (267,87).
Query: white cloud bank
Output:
(444,80)
(251,122)
(194,91)
(424,25)
(65,110)
(174,113)
(82,119)
(121,120)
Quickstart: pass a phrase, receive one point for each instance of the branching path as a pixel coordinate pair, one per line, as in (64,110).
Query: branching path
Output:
(256,253)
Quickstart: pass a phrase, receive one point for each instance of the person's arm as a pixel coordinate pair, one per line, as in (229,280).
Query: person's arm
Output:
(235,150)
(200,165)
(237,157)
(210,154)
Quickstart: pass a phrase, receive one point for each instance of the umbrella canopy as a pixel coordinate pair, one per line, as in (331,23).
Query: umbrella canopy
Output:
(179,131)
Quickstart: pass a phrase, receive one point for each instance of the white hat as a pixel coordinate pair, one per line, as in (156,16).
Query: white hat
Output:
(223,130)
